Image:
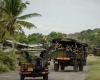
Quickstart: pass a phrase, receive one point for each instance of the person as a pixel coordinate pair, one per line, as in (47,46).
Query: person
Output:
(69,52)
(44,56)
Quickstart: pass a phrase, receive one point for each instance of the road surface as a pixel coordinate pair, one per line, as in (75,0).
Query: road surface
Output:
(68,74)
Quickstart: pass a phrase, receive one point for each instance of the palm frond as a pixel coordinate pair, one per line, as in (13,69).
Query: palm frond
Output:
(26,24)
(10,21)
(18,27)
(14,7)
(29,16)
(3,9)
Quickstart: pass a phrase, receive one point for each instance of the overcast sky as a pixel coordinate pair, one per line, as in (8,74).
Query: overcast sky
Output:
(66,16)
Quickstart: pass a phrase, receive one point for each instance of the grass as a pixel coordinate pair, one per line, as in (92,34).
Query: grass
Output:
(94,70)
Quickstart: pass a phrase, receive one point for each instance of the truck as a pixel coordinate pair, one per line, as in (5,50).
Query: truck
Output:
(36,66)
(68,53)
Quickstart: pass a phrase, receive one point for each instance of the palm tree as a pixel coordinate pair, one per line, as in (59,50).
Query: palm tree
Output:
(11,20)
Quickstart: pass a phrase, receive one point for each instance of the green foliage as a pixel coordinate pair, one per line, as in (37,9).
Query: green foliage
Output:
(11,23)
(29,16)
(54,35)
(3,68)
(7,61)
(35,38)
(11,18)
(21,37)
(94,68)
(91,37)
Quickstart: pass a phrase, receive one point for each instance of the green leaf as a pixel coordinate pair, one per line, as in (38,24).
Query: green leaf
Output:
(3,9)
(26,24)
(29,16)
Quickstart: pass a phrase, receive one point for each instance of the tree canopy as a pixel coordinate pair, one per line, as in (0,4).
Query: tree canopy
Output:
(91,37)
(12,20)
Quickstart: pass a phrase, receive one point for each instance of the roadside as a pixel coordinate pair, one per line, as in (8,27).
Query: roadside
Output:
(94,68)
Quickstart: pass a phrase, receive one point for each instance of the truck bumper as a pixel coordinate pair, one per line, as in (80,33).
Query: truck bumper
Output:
(33,74)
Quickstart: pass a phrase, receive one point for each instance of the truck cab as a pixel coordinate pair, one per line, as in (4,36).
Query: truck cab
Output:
(36,66)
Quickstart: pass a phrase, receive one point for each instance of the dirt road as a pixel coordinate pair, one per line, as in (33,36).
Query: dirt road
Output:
(68,74)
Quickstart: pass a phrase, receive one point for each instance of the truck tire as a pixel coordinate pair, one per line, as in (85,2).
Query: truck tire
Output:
(56,67)
(45,77)
(75,67)
(81,65)
(22,77)
(62,68)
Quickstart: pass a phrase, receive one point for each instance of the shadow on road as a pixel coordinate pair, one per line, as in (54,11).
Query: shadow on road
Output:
(34,78)
(68,71)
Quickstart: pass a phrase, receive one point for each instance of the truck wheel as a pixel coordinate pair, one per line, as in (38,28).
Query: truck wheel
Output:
(81,65)
(22,77)
(62,67)
(45,77)
(56,67)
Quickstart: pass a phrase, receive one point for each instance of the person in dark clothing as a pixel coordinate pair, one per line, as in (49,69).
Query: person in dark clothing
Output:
(69,52)
(38,64)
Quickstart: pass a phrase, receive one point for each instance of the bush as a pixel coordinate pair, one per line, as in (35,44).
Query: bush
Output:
(8,61)
(11,62)
(3,68)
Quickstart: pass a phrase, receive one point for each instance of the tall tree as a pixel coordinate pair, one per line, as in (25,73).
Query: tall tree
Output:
(54,35)
(35,38)
(12,19)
